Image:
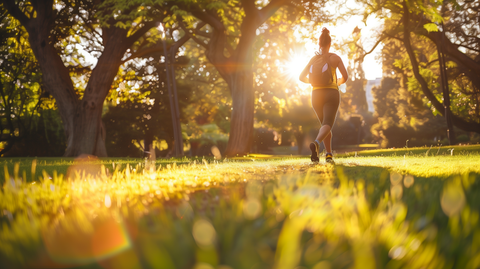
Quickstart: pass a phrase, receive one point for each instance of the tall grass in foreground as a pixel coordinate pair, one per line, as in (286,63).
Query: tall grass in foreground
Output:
(260,214)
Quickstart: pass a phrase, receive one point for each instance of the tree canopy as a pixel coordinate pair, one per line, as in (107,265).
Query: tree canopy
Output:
(426,31)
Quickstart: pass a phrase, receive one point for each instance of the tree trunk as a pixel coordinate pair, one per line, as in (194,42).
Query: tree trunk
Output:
(55,75)
(236,70)
(300,138)
(88,136)
(243,100)
(238,74)
(446,95)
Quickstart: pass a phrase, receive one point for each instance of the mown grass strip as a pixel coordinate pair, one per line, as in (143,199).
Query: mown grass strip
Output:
(425,151)
(432,166)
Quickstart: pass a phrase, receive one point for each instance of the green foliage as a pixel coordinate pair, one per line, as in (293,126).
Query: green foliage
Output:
(425,20)
(141,102)
(402,116)
(403,111)
(45,136)
(25,107)
(431,27)
(354,99)
(211,102)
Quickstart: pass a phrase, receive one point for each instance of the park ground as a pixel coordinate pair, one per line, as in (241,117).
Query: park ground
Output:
(398,208)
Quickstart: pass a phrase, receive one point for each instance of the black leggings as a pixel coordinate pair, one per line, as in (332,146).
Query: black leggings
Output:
(325,103)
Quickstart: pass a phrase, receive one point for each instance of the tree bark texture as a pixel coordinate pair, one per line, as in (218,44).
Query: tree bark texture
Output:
(243,97)
(241,126)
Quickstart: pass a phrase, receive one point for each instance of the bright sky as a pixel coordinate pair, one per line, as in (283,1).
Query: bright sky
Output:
(339,32)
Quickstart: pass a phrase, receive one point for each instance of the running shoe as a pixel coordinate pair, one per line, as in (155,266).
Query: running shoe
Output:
(314,149)
(329,158)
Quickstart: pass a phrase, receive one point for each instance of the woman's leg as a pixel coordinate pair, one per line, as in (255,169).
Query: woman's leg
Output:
(327,142)
(330,109)
(325,104)
(323,133)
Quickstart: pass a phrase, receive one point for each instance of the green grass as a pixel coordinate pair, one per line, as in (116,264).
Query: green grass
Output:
(432,166)
(425,151)
(402,210)
(61,164)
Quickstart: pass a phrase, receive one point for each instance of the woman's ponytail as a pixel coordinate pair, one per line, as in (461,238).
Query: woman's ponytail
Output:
(325,39)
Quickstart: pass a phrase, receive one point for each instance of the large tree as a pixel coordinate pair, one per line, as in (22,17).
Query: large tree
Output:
(450,26)
(228,38)
(55,30)
(403,115)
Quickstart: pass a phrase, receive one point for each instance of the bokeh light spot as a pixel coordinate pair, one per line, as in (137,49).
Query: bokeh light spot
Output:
(408,181)
(453,199)
(204,233)
(252,208)
(396,191)
(397,252)
(395,178)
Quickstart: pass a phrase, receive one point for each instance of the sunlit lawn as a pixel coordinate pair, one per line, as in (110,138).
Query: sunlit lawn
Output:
(411,210)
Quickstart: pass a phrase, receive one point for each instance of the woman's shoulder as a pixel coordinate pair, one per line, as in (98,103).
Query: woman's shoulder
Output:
(334,58)
(314,58)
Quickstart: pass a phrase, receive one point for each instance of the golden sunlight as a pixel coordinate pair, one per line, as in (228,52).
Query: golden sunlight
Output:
(294,66)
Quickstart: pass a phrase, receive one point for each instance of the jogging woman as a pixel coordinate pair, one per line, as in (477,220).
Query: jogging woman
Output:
(320,72)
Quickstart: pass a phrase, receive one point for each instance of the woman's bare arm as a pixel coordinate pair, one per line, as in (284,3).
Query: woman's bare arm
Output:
(343,71)
(303,76)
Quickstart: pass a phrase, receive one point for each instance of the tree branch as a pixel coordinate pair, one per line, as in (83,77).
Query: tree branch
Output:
(187,32)
(144,52)
(95,33)
(383,37)
(452,50)
(457,121)
(250,8)
(208,18)
(267,11)
(158,48)
(140,32)
(203,34)
(175,46)
(414,62)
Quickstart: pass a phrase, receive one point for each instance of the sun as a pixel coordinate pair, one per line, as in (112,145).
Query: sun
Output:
(294,66)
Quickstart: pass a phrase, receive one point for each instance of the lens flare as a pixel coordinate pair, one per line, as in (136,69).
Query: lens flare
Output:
(72,245)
